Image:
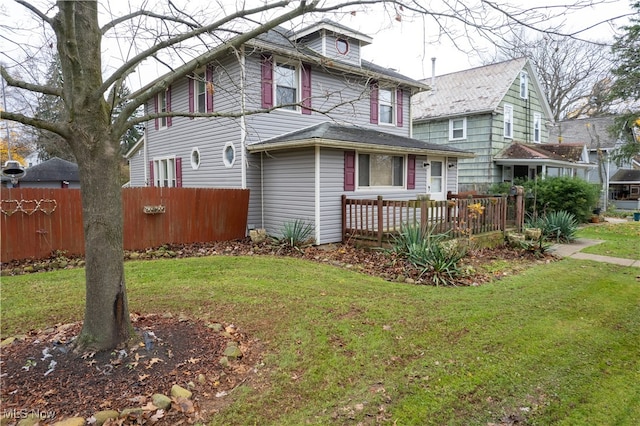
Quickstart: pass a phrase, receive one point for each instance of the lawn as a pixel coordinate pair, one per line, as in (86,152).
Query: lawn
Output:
(557,344)
(620,239)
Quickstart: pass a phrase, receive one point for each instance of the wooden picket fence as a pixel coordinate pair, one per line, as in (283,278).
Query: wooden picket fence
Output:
(35,222)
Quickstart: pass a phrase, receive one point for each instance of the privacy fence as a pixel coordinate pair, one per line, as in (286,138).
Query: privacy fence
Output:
(38,221)
(379,219)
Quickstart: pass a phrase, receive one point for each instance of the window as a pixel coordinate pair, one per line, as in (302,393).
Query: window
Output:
(200,92)
(195,158)
(286,79)
(508,121)
(524,85)
(386,102)
(537,132)
(342,46)
(457,128)
(229,154)
(162,107)
(165,172)
(379,170)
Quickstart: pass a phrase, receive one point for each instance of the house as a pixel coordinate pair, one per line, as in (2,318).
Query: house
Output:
(52,173)
(328,123)
(500,113)
(620,184)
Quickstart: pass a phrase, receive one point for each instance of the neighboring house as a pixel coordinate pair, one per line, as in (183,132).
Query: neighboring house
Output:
(32,159)
(500,113)
(622,184)
(337,125)
(52,173)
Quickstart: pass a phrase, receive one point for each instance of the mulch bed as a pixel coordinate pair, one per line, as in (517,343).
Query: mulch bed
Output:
(178,350)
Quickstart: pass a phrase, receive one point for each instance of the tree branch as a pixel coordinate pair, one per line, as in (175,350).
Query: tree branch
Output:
(46,90)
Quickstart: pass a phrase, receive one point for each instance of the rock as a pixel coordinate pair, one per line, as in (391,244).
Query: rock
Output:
(102,416)
(258,235)
(178,391)
(232,351)
(71,421)
(224,361)
(30,420)
(7,341)
(216,326)
(191,385)
(161,401)
(410,281)
(202,379)
(131,411)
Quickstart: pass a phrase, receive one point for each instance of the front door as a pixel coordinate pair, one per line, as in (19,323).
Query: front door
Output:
(435,179)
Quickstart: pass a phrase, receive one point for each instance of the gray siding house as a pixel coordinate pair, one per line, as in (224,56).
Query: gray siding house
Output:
(298,118)
(499,112)
(620,184)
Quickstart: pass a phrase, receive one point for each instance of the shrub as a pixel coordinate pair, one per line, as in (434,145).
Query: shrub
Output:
(553,194)
(560,226)
(296,234)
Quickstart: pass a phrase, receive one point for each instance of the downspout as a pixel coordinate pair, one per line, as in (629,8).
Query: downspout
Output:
(261,190)
(243,121)
(317,195)
(145,155)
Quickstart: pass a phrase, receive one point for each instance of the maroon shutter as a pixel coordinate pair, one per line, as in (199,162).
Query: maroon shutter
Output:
(306,89)
(192,90)
(349,170)
(411,172)
(169,121)
(209,88)
(157,123)
(399,101)
(179,172)
(267,82)
(151,178)
(374,103)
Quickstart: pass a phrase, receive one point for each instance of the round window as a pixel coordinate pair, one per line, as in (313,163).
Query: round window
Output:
(342,46)
(229,154)
(195,158)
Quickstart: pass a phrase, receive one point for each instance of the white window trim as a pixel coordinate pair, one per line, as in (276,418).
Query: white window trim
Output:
(158,172)
(392,104)
(281,61)
(228,164)
(524,85)
(194,165)
(162,107)
(464,129)
(381,188)
(509,108)
(537,122)
(200,77)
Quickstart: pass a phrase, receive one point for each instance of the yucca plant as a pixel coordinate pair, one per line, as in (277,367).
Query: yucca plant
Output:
(561,226)
(296,234)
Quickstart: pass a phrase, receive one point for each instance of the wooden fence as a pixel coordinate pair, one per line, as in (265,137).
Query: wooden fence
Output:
(379,219)
(38,221)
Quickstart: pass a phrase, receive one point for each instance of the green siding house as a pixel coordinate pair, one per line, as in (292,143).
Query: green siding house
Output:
(500,113)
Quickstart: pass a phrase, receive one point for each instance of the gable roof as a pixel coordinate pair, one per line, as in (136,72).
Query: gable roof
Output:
(333,135)
(586,131)
(329,25)
(473,91)
(53,170)
(627,176)
(565,153)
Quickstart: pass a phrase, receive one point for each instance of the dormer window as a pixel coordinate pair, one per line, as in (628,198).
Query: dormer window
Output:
(342,46)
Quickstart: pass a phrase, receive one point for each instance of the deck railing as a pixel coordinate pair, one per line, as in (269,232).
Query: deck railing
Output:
(378,219)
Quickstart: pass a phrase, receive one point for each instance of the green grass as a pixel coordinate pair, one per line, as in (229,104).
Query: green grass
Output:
(621,239)
(557,344)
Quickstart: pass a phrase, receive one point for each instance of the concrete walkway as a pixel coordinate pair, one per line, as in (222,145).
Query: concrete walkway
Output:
(573,250)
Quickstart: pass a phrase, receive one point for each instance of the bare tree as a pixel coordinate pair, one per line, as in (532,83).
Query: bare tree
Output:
(180,41)
(574,74)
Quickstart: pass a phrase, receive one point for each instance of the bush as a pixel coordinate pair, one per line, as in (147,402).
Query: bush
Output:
(296,234)
(431,253)
(553,194)
(560,226)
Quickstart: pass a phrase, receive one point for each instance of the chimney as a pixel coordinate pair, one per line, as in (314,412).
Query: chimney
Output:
(433,72)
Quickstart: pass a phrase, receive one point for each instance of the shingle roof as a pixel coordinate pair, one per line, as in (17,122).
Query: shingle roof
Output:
(625,175)
(584,130)
(467,92)
(349,137)
(570,152)
(52,170)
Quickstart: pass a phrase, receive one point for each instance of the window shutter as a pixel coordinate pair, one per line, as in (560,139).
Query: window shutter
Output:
(209,88)
(267,82)
(411,172)
(399,111)
(157,123)
(169,121)
(192,90)
(306,89)
(179,172)
(152,181)
(374,103)
(349,170)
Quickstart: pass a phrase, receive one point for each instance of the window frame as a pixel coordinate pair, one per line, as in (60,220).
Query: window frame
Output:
(391,104)
(160,171)
(195,158)
(163,122)
(200,82)
(508,120)
(394,176)
(524,85)
(453,129)
(277,64)
(537,127)
(228,164)
(340,40)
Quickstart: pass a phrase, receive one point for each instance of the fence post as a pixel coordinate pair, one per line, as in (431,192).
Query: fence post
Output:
(344,217)
(424,213)
(380,219)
